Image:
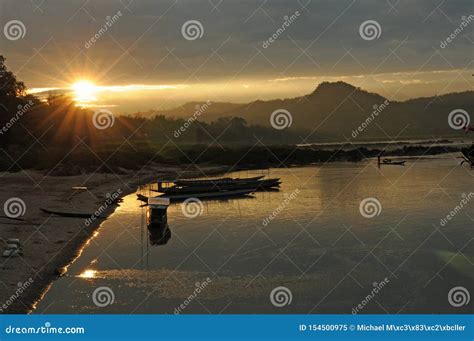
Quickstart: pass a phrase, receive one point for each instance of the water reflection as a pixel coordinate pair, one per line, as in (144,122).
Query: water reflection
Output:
(318,245)
(159,235)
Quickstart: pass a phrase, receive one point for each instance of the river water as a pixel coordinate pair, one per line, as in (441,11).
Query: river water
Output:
(308,248)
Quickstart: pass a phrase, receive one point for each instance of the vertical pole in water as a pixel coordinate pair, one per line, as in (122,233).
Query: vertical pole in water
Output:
(141,236)
(378,160)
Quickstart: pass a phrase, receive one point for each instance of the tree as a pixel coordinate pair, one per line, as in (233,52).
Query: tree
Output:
(9,86)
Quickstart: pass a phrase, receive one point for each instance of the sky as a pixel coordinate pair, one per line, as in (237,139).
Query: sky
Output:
(237,51)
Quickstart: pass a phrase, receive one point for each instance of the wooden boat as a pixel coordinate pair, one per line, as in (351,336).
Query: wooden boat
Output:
(468,156)
(219,181)
(156,211)
(258,185)
(207,195)
(142,197)
(70,214)
(391,162)
(211,195)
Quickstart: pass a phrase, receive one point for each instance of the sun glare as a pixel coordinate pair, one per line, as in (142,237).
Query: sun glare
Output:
(84,92)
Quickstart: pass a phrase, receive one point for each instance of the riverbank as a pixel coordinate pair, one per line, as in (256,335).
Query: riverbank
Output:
(51,243)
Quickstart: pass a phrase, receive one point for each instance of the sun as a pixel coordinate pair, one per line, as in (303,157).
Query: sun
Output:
(84,91)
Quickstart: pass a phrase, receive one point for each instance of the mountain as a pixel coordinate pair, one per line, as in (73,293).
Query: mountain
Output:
(336,111)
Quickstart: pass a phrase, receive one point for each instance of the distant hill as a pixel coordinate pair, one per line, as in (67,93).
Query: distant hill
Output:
(334,110)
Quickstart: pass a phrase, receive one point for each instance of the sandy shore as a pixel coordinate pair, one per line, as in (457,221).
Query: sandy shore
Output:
(50,243)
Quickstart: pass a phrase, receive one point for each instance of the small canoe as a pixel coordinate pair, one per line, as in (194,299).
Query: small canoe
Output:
(394,163)
(69,214)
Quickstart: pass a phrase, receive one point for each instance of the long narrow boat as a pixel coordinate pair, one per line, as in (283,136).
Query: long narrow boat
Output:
(204,182)
(212,195)
(69,214)
(259,185)
(220,194)
(393,163)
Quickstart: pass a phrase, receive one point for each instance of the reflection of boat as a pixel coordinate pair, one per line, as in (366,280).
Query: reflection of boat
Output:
(70,214)
(159,235)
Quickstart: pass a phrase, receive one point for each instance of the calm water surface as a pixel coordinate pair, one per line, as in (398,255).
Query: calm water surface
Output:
(318,246)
